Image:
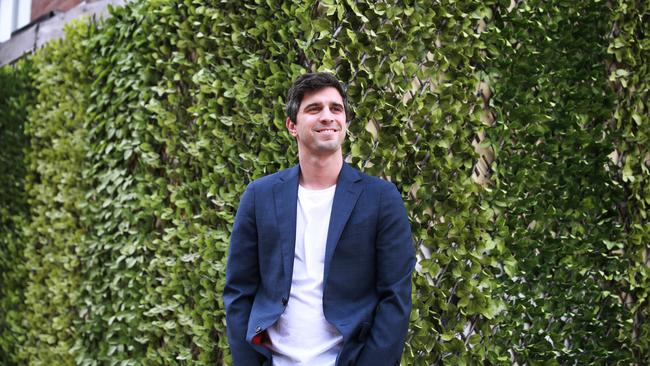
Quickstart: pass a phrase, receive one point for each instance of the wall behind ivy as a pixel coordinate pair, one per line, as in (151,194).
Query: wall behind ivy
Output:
(516,132)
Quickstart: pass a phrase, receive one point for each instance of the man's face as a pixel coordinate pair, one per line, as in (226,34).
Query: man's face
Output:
(321,123)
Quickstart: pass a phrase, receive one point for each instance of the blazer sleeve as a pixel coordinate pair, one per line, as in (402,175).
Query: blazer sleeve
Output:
(242,280)
(395,263)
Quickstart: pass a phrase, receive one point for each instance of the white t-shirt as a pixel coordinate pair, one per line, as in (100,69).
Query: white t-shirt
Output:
(302,335)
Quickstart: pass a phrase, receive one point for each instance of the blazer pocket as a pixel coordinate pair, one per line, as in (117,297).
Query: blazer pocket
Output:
(356,235)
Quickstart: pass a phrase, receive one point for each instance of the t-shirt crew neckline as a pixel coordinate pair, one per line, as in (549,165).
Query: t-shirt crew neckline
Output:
(316,191)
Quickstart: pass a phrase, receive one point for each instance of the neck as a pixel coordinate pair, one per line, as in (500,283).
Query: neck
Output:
(320,172)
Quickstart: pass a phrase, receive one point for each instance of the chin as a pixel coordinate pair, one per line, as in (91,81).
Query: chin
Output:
(327,148)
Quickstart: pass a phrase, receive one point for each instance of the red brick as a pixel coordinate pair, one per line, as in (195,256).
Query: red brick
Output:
(40,7)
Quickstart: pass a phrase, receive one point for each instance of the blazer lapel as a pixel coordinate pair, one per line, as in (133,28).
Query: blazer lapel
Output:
(345,197)
(285,194)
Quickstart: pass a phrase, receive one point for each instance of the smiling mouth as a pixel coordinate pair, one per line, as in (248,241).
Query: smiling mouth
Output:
(327,130)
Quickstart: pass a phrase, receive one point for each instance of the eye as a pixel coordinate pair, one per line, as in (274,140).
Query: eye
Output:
(337,108)
(312,109)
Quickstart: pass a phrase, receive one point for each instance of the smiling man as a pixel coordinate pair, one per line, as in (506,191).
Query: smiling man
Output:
(320,261)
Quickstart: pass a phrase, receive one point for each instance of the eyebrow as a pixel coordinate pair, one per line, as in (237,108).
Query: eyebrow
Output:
(318,104)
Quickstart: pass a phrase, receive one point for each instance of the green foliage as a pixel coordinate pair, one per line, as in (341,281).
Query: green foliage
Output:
(55,162)
(15,96)
(629,50)
(555,204)
(146,130)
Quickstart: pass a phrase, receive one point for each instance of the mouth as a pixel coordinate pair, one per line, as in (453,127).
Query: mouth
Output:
(327,130)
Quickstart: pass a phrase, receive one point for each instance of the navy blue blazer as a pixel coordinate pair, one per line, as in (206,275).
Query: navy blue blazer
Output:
(369,259)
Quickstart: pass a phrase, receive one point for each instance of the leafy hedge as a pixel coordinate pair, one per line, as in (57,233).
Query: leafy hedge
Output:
(629,74)
(15,95)
(555,189)
(516,131)
(55,187)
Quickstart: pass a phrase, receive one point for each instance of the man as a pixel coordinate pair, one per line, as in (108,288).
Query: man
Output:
(320,261)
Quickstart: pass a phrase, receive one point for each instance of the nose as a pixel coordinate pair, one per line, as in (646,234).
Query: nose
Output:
(327,115)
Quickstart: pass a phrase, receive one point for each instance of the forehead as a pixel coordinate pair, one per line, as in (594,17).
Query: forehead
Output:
(328,95)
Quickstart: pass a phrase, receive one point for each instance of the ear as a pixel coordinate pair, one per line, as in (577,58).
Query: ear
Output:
(291,127)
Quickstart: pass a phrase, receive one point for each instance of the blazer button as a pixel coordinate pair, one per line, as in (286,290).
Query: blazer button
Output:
(285,301)
(258,329)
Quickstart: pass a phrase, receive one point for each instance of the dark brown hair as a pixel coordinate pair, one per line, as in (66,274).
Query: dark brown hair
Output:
(313,82)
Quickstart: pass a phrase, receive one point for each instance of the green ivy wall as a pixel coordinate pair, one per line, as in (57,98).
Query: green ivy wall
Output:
(16,94)
(516,131)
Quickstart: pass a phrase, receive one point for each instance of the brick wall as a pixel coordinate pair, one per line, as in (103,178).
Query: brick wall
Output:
(40,7)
